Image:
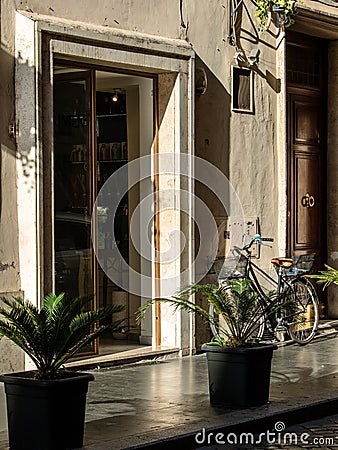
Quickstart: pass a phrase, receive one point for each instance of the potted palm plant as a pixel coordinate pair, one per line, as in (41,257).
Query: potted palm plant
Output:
(46,406)
(326,277)
(239,365)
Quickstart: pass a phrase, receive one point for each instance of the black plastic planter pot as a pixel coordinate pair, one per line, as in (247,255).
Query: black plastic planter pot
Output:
(239,377)
(45,415)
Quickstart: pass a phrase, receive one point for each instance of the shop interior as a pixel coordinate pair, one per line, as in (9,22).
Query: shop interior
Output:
(102,120)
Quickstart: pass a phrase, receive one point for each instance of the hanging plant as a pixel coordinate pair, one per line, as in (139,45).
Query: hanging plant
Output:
(284,10)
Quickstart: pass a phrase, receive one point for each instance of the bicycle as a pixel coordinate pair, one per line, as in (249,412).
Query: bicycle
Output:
(292,286)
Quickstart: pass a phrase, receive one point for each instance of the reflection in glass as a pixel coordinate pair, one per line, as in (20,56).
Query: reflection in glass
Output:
(72,202)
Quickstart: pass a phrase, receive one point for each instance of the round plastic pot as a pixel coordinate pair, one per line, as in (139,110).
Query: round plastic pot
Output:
(45,414)
(239,377)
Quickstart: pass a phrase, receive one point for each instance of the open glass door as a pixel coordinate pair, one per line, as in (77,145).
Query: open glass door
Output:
(73,185)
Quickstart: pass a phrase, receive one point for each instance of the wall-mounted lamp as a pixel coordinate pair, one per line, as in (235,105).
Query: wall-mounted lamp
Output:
(253,56)
(201,81)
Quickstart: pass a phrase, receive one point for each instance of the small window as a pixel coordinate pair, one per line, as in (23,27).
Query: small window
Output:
(242,89)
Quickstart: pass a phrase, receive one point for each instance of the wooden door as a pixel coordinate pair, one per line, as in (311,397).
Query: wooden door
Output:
(306,88)
(306,175)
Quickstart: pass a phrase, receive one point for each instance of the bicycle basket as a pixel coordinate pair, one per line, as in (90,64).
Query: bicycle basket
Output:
(233,268)
(304,263)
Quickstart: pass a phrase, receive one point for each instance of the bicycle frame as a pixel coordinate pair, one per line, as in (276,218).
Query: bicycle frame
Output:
(293,292)
(281,285)
(250,273)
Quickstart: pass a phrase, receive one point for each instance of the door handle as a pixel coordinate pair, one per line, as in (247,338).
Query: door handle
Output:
(308,201)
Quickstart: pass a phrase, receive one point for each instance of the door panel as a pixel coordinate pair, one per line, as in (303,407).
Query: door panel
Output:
(307,123)
(307,205)
(305,174)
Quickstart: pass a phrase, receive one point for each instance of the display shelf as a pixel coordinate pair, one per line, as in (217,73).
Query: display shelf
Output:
(104,116)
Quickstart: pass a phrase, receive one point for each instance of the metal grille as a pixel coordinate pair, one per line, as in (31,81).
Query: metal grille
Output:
(303,66)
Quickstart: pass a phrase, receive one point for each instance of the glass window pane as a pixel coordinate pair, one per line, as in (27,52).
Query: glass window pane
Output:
(72,186)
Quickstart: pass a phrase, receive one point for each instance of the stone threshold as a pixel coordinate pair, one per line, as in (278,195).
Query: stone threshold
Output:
(136,355)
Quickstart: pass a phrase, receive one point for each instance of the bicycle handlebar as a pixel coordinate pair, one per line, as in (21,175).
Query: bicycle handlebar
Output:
(256,239)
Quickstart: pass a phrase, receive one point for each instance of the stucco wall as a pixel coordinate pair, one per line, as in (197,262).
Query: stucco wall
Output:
(11,358)
(243,146)
(222,137)
(9,263)
(158,17)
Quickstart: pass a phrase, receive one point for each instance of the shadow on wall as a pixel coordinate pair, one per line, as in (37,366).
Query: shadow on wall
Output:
(250,34)
(8,169)
(212,122)
(212,143)
(7,109)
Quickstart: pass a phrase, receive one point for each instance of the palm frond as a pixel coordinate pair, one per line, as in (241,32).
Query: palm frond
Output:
(86,338)
(22,323)
(53,334)
(326,277)
(181,302)
(81,331)
(240,308)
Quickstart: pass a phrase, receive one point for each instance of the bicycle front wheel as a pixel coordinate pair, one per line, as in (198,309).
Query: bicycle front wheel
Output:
(304,321)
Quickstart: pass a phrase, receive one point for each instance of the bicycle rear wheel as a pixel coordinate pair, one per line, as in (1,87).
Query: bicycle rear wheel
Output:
(305,319)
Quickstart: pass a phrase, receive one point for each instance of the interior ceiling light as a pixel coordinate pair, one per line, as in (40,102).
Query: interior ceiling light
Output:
(114,97)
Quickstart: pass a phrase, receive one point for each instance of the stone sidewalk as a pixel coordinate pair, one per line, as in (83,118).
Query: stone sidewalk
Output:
(163,404)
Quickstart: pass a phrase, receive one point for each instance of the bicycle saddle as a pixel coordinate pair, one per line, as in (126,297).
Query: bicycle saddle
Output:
(282,262)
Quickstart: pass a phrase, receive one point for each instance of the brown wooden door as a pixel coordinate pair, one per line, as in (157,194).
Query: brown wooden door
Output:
(306,200)
(306,137)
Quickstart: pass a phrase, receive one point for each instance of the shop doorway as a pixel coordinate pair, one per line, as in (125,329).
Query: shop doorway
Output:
(102,120)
